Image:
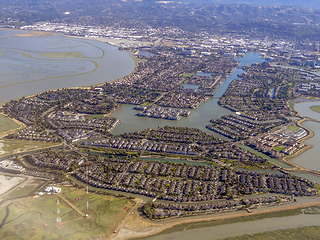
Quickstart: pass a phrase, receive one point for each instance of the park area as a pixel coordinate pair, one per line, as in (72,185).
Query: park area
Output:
(36,217)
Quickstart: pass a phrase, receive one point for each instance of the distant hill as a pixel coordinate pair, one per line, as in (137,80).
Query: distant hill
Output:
(189,15)
(312,4)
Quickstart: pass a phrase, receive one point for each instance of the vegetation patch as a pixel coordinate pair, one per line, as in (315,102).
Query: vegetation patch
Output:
(63,55)
(279,149)
(315,108)
(249,218)
(293,128)
(26,55)
(6,124)
(93,116)
(13,146)
(187,74)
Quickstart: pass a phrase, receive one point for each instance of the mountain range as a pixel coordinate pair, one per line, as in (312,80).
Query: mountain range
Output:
(190,15)
(311,4)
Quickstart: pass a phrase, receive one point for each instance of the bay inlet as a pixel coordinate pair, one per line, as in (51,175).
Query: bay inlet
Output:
(31,65)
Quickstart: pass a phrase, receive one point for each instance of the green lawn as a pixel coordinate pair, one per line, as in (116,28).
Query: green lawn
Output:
(279,149)
(293,128)
(187,75)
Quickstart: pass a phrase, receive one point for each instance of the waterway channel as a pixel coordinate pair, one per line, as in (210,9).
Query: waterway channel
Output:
(198,118)
(310,159)
(212,230)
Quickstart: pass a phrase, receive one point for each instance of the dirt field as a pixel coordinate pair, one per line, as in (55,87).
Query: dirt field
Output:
(13,146)
(7,183)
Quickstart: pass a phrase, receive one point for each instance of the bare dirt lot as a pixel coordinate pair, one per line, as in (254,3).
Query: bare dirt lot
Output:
(7,183)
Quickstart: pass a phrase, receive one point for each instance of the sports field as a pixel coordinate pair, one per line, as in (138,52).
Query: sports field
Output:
(293,128)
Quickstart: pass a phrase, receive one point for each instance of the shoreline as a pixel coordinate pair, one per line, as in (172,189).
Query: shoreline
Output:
(200,218)
(288,159)
(125,234)
(31,33)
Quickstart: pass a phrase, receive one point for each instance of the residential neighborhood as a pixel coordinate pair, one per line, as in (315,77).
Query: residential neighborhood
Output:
(169,181)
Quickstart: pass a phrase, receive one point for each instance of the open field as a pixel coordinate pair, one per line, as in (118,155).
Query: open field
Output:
(312,232)
(8,182)
(93,116)
(137,225)
(13,187)
(35,218)
(62,55)
(315,108)
(7,125)
(28,188)
(13,146)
